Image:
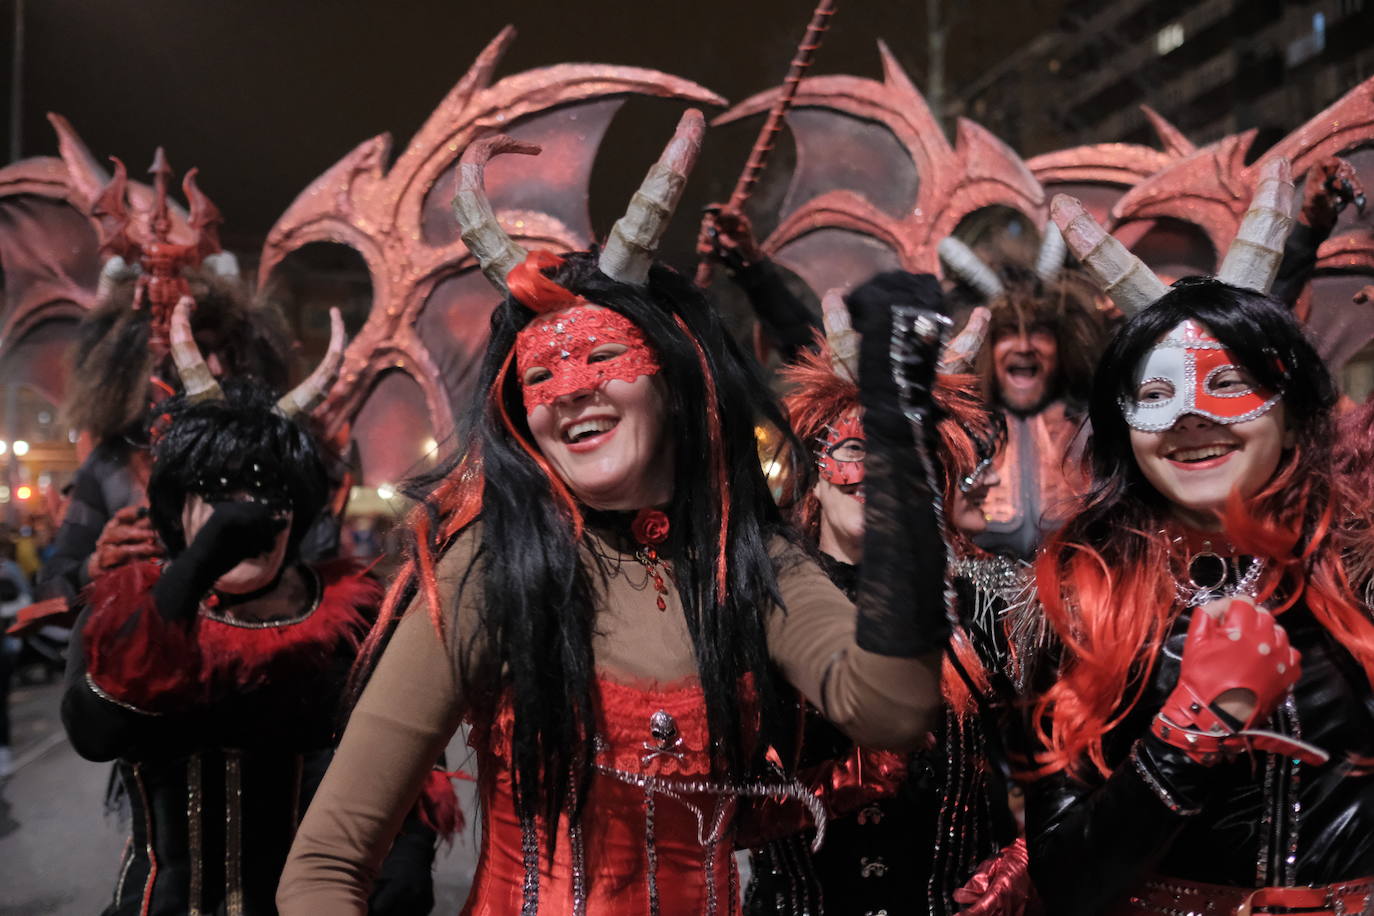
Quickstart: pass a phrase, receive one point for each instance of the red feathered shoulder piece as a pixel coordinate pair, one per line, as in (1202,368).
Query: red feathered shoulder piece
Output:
(132,654)
(140,659)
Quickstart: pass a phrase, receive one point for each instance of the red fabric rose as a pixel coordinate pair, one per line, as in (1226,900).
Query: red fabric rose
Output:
(650,527)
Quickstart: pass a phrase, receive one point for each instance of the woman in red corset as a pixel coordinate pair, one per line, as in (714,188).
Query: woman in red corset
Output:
(604,589)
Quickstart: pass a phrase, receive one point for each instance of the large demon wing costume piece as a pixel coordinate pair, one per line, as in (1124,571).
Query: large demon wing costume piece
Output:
(1183,217)
(1098,174)
(431,303)
(53,237)
(877,185)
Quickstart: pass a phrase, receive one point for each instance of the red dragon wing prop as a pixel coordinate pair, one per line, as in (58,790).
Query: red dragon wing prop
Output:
(877,185)
(1203,196)
(415,354)
(1099,174)
(50,240)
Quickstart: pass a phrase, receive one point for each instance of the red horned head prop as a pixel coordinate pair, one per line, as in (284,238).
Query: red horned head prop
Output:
(144,236)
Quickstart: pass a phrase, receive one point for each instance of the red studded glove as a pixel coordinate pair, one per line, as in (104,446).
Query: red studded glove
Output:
(1245,649)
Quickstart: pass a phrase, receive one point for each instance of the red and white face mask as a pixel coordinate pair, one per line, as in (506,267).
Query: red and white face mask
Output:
(571,347)
(843,450)
(1191,372)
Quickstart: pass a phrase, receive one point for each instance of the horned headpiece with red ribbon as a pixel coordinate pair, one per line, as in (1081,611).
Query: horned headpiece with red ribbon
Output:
(630,248)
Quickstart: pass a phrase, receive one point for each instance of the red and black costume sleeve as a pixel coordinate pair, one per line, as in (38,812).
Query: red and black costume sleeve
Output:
(138,683)
(789,325)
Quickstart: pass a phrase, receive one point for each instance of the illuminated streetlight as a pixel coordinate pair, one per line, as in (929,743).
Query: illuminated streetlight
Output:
(21,448)
(23,492)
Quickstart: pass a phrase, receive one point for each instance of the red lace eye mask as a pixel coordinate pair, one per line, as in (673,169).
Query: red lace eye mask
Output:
(563,343)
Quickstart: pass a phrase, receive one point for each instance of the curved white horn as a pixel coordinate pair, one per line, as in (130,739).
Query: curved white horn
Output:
(840,334)
(310,393)
(1253,259)
(1050,261)
(962,351)
(222,264)
(635,236)
(1122,275)
(112,271)
(496,252)
(970,268)
(197,381)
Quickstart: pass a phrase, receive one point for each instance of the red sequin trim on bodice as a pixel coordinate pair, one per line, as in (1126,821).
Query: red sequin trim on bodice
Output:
(642,732)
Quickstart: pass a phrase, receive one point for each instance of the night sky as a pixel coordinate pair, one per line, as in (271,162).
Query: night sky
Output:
(264,96)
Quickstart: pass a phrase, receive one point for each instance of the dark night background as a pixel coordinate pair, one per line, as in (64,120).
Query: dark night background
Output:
(264,96)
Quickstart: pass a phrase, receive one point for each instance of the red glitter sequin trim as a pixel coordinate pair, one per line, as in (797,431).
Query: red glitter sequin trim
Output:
(563,343)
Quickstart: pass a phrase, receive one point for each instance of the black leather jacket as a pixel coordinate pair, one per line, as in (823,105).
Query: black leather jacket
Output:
(1260,820)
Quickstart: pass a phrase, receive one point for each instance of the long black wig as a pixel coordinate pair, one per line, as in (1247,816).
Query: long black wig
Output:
(539,615)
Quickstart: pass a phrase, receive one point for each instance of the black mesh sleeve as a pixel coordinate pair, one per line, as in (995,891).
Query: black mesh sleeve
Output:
(789,324)
(901,598)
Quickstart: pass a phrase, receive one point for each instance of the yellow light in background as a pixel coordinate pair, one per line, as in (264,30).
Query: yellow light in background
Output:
(21,448)
(4,446)
(23,493)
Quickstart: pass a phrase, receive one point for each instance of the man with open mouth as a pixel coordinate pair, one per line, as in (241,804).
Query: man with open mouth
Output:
(1044,335)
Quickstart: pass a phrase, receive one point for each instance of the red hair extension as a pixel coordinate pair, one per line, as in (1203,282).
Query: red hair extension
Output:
(818,397)
(1111,627)
(561,494)
(953,685)
(160,390)
(717,458)
(424,564)
(532,288)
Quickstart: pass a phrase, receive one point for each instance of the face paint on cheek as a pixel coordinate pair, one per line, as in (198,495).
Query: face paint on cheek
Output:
(1185,364)
(563,344)
(842,452)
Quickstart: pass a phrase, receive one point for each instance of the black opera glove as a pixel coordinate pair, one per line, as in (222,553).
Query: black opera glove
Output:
(871,308)
(235,531)
(902,591)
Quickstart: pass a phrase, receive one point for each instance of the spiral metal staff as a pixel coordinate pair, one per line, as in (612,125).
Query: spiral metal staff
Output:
(772,125)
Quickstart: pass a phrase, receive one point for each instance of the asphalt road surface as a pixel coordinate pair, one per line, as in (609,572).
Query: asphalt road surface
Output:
(59,850)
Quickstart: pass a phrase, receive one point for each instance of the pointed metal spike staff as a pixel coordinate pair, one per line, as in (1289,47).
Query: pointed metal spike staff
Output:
(772,125)
(161,221)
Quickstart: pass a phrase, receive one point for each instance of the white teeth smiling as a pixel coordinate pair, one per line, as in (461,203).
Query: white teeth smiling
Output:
(585,428)
(1201,454)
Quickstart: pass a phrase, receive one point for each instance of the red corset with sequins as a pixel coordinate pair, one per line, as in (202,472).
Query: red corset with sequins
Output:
(656,833)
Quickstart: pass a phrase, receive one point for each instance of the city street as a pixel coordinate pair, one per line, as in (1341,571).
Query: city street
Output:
(59,850)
